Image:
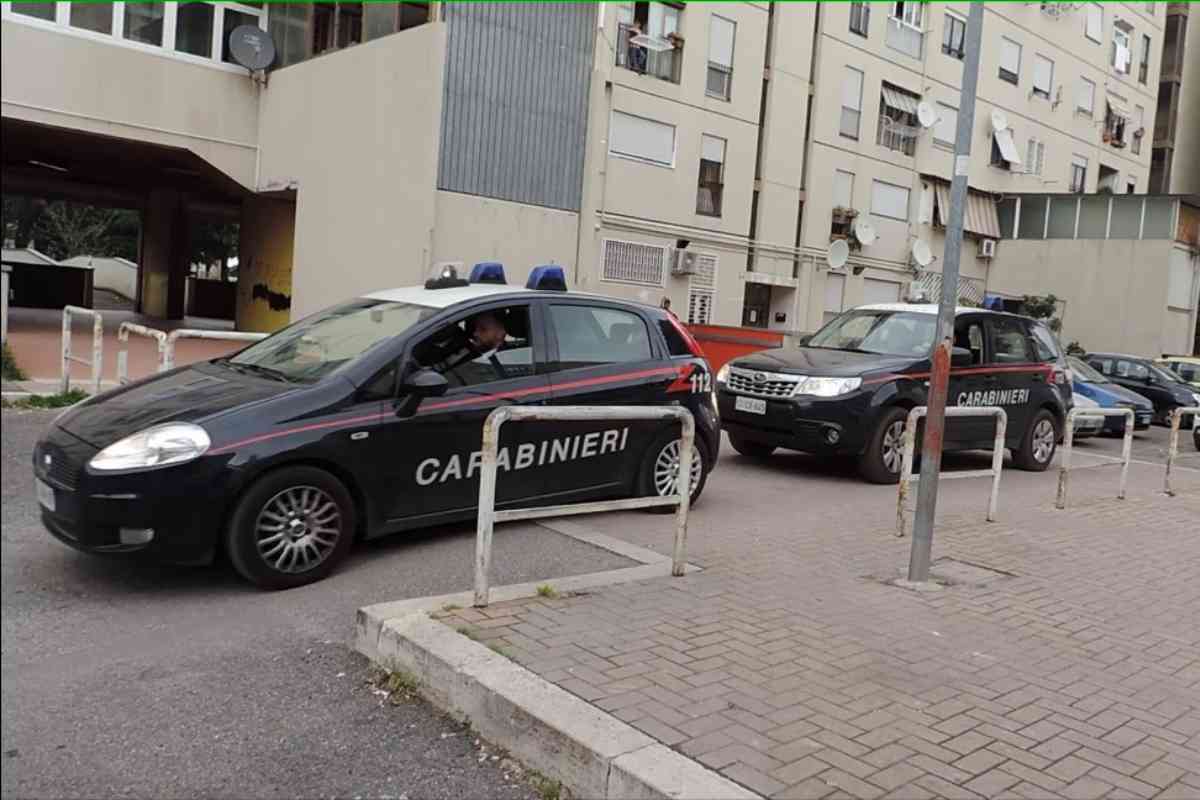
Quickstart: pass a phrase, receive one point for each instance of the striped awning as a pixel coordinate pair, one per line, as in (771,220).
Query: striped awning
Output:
(899,100)
(981,218)
(1117,107)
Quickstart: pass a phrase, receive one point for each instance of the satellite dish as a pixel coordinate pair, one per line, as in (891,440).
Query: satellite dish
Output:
(999,120)
(926,114)
(651,43)
(865,232)
(921,253)
(839,253)
(252,47)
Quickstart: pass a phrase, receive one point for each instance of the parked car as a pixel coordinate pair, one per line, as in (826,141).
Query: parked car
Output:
(1085,426)
(1162,388)
(365,419)
(1090,384)
(1186,367)
(848,389)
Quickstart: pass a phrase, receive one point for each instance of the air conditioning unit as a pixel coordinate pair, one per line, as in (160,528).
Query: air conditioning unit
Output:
(987,248)
(683,262)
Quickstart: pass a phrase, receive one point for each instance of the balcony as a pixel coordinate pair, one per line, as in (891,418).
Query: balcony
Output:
(663,64)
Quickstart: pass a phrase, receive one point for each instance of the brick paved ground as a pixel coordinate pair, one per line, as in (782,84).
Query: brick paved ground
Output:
(792,667)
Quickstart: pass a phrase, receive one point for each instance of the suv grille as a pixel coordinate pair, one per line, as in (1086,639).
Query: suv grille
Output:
(763,384)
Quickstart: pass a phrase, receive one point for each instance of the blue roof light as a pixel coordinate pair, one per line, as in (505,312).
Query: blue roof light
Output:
(488,272)
(548,277)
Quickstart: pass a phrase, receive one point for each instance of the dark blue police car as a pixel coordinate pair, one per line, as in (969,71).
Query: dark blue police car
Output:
(365,419)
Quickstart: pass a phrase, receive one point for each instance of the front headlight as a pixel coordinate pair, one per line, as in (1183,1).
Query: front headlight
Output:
(723,374)
(828,387)
(160,446)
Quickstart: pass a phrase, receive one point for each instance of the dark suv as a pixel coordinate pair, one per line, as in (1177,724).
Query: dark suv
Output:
(1163,388)
(847,391)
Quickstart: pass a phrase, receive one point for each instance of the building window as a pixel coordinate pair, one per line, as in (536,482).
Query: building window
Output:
(852,85)
(908,13)
(1139,131)
(96,17)
(904,31)
(945,131)
(1131,186)
(889,200)
(898,125)
(702,286)
(1085,103)
(1043,76)
(1078,182)
(194,28)
(721,33)
(658,21)
(712,176)
(843,189)
(954,34)
(860,18)
(335,26)
(1004,150)
(1115,123)
(633,262)
(1010,61)
(144,23)
(1094,25)
(44,11)
(1035,157)
(1122,50)
(642,139)
(1144,60)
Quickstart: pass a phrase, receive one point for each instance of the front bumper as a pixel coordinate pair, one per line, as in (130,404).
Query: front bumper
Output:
(183,505)
(806,424)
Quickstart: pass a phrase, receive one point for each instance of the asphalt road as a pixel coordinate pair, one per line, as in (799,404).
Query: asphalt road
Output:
(123,679)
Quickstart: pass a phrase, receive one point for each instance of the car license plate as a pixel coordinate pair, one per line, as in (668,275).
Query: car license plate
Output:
(45,494)
(750,405)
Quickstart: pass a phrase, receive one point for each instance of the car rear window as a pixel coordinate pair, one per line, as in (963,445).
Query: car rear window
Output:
(676,345)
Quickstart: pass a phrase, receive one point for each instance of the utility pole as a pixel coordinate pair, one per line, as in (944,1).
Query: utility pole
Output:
(939,380)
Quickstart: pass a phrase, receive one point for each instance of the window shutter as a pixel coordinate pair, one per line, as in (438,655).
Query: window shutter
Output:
(1043,72)
(1095,21)
(1087,96)
(947,124)
(642,138)
(843,189)
(720,41)
(852,89)
(889,200)
(712,149)
(1010,56)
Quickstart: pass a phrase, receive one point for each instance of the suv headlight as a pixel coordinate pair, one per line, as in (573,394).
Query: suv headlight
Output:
(160,446)
(723,374)
(827,387)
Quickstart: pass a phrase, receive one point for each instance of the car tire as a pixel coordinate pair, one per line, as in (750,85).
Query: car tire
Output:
(1039,443)
(653,478)
(291,528)
(882,460)
(751,449)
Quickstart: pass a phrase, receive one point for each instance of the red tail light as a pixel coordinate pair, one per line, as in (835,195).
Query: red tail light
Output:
(1060,377)
(693,345)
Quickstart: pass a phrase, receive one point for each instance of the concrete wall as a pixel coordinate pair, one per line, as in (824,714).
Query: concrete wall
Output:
(1185,172)
(57,78)
(471,229)
(266,239)
(356,132)
(1116,290)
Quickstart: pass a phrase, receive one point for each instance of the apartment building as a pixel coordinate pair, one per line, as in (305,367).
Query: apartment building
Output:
(1174,168)
(706,153)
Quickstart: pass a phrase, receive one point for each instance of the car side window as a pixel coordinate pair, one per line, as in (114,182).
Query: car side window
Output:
(1132,370)
(969,336)
(1105,365)
(486,346)
(1044,343)
(381,387)
(1009,341)
(590,335)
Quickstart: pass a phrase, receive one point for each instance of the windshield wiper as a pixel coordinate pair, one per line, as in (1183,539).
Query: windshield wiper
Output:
(258,369)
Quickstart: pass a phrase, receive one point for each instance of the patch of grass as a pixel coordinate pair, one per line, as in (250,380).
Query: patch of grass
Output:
(48,400)
(466,631)
(498,650)
(547,591)
(451,607)
(401,687)
(8,365)
(547,788)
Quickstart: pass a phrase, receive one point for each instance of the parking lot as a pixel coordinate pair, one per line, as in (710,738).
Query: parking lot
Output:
(186,681)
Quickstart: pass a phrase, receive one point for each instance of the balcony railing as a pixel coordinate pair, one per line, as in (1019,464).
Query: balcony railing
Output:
(896,136)
(663,65)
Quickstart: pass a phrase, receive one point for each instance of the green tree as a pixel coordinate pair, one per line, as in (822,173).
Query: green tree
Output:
(1042,308)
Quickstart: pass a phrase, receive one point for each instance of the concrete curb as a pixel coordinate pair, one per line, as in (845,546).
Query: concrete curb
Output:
(592,753)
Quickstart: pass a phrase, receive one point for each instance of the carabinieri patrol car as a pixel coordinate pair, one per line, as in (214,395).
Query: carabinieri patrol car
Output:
(847,391)
(366,419)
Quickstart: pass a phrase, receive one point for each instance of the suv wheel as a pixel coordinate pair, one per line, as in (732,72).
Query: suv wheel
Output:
(1038,444)
(884,456)
(660,470)
(290,528)
(751,449)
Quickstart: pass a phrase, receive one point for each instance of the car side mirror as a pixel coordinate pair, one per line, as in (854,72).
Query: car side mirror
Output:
(961,357)
(416,387)
(803,339)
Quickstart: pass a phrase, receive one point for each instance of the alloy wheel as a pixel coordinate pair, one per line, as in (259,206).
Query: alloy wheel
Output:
(666,469)
(297,529)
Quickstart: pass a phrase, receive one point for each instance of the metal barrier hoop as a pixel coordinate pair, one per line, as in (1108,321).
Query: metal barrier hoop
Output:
(1173,445)
(97,360)
(1064,469)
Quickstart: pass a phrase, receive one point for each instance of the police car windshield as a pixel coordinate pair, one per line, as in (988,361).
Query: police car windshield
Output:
(316,346)
(893,333)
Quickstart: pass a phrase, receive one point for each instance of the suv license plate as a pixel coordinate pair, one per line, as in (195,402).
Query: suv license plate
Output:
(750,405)
(45,494)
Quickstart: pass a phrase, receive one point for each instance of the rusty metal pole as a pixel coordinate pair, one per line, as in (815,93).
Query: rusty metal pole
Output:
(935,420)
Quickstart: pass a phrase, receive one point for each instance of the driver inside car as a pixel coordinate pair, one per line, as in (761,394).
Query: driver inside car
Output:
(458,347)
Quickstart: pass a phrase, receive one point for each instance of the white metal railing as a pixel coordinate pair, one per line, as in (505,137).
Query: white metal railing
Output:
(1064,469)
(97,360)
(168,358)
(1173,446)
(489,516)
(910,446)
(123,332)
